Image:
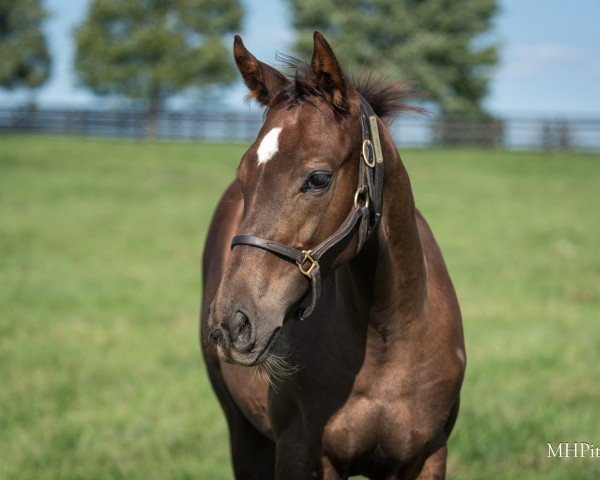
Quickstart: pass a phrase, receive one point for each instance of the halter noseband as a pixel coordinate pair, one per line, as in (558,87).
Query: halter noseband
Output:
(365,214)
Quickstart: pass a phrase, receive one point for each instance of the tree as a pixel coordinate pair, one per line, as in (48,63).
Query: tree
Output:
(437,43)
(24,58)
(151,49)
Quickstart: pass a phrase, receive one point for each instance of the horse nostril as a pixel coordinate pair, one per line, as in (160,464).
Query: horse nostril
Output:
(216,334)
(241,332)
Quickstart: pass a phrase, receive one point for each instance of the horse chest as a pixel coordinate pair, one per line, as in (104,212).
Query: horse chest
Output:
(384,429)
(380,413)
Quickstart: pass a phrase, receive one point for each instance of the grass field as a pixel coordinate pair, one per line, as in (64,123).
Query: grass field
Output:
(100,246)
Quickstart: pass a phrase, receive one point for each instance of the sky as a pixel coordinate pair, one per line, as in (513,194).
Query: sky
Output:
(549,54)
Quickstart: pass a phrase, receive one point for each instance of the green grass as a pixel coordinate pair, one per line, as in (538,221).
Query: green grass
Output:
(100,246)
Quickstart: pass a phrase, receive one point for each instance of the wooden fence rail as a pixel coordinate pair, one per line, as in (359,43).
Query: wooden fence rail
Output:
(517,132)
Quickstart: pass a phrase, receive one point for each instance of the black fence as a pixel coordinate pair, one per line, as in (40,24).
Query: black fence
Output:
(518,132)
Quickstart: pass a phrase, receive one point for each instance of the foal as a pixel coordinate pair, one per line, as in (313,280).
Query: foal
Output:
(335,288)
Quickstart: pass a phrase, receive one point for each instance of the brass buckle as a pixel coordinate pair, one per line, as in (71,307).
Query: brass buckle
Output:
(307,258)
(359,191)
(368,153)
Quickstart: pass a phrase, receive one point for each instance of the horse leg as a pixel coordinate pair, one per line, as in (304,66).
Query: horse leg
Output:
(252,453)
(297,461)
(294,461)
(434,467)
(329,471)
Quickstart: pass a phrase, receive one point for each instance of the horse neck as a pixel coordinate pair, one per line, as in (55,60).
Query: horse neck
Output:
(391,271)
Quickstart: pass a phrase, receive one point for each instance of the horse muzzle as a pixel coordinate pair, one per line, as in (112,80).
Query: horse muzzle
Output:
(237,342)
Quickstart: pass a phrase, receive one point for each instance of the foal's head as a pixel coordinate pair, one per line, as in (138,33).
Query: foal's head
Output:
(298,181)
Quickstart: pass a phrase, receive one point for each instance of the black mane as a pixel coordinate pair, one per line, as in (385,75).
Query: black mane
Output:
(388,99)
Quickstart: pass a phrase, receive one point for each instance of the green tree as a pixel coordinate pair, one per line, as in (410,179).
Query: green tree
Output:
(152,49)
(440,44)
(24,58)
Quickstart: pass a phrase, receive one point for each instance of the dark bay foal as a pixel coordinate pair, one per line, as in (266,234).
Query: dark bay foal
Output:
(363,378)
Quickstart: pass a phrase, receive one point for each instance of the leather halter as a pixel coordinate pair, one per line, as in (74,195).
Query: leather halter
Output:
(364,215)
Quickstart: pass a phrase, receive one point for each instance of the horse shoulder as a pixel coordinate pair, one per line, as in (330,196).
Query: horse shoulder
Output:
(444,335)
(442,303)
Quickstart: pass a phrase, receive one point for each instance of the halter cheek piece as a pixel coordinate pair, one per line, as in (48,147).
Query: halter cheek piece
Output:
(364,215)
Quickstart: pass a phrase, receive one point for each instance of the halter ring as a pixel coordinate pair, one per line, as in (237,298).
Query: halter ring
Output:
(368,153)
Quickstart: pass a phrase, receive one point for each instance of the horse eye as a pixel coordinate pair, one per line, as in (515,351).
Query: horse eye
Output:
(317,181)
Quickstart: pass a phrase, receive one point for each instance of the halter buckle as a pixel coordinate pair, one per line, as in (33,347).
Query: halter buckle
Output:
(307,258)
(361,191)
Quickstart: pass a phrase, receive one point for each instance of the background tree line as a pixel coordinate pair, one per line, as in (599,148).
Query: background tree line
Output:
(150,50)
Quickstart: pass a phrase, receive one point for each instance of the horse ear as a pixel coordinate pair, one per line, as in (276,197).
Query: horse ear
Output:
(329,73)
(262,80)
